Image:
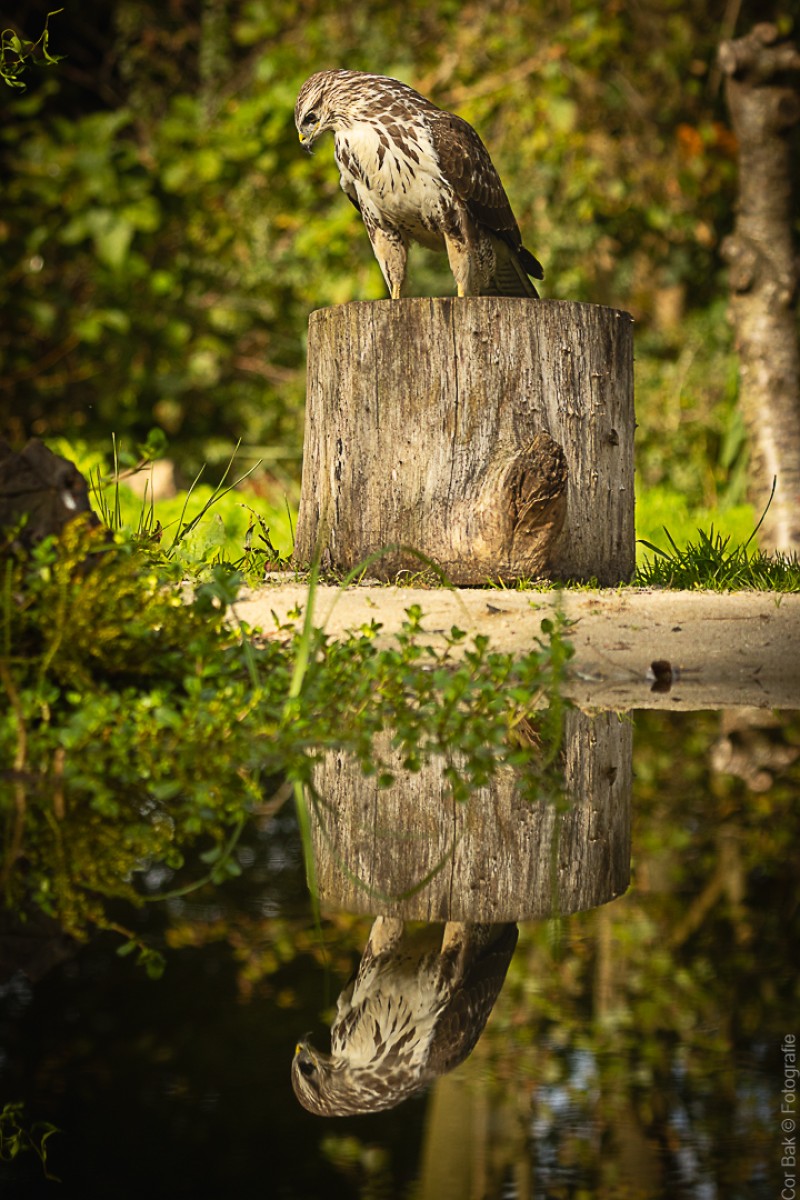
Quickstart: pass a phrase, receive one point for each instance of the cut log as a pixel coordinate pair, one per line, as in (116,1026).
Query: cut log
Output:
(411,851)
(492,436)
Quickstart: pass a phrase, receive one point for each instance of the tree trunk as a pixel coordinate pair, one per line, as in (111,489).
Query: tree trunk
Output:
(495,858)
(493,436)
(762,91)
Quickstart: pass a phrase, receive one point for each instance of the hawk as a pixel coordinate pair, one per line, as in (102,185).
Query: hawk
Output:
(417,173)
(414,1009)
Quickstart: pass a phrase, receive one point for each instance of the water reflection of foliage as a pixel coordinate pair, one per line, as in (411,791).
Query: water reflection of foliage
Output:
(626,1043)
(142,728)
(639,1035)
(632,1042)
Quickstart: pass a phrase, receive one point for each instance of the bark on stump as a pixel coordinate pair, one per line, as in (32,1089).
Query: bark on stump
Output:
(494,858)
(494,436)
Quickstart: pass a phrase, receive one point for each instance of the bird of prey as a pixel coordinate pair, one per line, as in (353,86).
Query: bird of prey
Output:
(414,1010)
(418,173)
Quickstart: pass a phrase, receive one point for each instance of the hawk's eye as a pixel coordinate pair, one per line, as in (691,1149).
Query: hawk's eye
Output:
(306,1068)
(310,118)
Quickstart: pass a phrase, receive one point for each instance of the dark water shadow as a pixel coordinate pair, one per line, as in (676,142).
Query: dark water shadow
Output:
(639,1040)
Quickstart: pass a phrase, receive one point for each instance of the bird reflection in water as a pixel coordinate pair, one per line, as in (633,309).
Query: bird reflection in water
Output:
(414,1010)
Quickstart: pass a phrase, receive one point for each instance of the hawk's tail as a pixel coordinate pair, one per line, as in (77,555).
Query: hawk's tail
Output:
(513,266)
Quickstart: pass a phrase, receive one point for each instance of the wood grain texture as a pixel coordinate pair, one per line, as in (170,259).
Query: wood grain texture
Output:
(492,435)
(499,857)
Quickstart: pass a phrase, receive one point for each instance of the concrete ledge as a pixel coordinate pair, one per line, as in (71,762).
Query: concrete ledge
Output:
(724,650)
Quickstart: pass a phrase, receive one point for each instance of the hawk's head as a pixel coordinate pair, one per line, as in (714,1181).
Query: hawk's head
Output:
(321,105)
(330,1086)
(338,100)
(311,1078)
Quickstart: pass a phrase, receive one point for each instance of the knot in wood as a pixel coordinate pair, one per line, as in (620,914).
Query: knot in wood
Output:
(536,478)
(742,257)
(534,497)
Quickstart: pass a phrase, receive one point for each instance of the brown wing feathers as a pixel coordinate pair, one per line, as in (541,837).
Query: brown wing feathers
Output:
(468,168)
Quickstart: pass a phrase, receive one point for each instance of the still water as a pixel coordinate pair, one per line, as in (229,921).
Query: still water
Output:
(641,1047)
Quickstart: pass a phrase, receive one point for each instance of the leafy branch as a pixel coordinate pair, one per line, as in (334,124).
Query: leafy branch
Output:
(17,52)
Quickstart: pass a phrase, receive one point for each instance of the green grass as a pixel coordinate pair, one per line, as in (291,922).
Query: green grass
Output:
(717,563)
(231,525)
(720,561)
(203,526)
(228,523)
(661,507)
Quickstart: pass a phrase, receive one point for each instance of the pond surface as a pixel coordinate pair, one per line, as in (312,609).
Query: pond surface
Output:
(642,1048)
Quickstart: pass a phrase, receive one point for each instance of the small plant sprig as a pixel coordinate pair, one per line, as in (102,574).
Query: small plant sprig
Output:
(17,1138)
(200,527)
(16,53)
(149,533)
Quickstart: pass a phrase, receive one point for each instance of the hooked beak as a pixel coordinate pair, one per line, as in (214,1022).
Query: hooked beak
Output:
(307,139)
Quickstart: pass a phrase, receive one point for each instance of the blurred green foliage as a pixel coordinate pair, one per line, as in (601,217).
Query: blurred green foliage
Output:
(163,240)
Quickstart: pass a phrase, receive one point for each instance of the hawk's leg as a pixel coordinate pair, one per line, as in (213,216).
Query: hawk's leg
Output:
(462,264)
(391,252)
(462,943)
(455,941)
(385,933)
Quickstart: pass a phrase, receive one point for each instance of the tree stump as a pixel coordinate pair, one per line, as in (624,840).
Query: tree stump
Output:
(492,436)
(411,851)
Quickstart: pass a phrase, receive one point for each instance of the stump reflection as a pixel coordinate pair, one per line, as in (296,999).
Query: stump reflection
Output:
(421,997)
(411,851)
